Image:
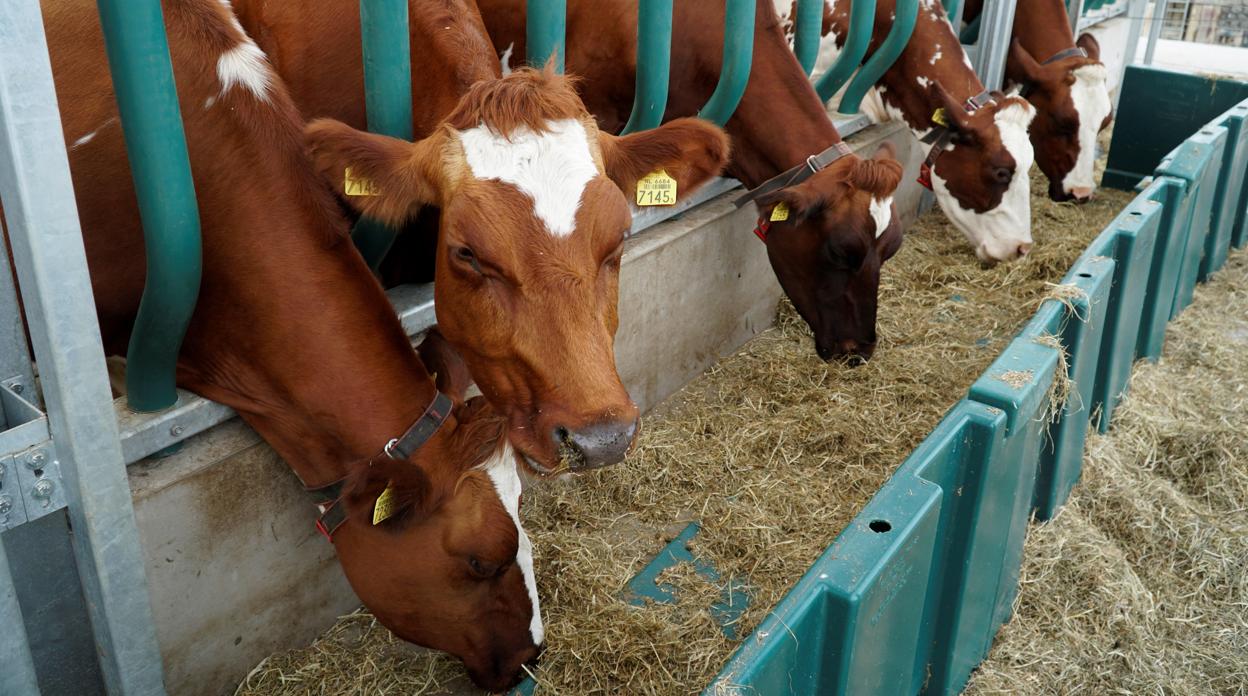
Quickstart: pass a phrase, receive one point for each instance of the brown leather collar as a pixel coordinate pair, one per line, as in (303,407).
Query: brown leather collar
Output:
(791,177)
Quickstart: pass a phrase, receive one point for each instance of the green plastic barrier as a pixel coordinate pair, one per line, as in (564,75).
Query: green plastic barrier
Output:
(1198,160)
(807,32)
(386,46)
(147,101)
(1229,200)
(861,24)
(907,12)
(1163,278)
(734,72)
(544,31)
(654,61)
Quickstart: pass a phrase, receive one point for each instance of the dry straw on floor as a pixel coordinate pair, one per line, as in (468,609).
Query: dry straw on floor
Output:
(771,449)
(1140,585)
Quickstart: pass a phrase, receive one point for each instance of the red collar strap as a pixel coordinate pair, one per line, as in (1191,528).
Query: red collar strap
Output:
(939,136)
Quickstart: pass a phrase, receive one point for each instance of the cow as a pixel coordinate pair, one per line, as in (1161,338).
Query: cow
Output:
(293,332)
(532,208)
(1065,80)
(841,224)
(978,165)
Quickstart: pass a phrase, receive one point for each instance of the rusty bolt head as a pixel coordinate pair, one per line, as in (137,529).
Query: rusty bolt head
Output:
(43,489)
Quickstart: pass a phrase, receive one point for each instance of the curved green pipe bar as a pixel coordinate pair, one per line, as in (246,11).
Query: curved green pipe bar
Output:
(907,12)
(654,63)
(807,31)
(952,10)
(861,24)
(544,31)
(970,32)
(734,71)
(387,98)
(147,100)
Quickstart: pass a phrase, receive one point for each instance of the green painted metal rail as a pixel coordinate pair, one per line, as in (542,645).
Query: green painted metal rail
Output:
(147,100)
(654,62)
(734,72)
(907,12)
(387,98)
(807,32)
(544,31)
(861,25)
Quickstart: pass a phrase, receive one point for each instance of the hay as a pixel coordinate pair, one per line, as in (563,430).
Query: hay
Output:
(772,450)
(1140,585)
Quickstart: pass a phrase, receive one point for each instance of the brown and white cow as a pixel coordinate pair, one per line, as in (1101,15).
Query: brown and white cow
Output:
(1069,89)
(293,332)
(980,177)
(533,216)
(842,225)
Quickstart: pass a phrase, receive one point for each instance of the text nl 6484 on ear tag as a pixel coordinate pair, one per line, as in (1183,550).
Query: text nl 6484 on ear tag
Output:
(358,185)
(780,213)
(656,188)
(384,509)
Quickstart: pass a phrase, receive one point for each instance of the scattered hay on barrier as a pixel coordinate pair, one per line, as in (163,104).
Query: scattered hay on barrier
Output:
(1140,585)
(772,450)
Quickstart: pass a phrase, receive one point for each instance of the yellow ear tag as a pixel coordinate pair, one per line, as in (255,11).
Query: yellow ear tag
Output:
(359,186)
(384,509)
(940,118)
(780,212)
(656,188)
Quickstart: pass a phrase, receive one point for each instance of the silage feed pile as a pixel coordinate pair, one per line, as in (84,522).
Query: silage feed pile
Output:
(1140,584)
(772,450)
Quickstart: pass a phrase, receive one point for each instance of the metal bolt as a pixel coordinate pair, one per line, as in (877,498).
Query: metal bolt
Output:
(36,460)
(177,430)
(6,504)
(18,387)
(43,489)
(1,471)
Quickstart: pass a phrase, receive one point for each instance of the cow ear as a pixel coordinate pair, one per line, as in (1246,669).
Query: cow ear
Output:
(449,371)
(1090,46)
(803,201)
(959,121)
(381,177)
(1025,63)
(386,491)
(690,150)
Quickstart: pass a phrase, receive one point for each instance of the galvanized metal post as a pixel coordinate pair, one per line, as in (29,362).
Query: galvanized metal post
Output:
(18,668)
(51,267)
(807,32)
(544,31)
(138,57)
(1135,15)
(734,71)
(654,63)
(1074,10)
(996,29)
(861,25)
(1154,32)
(904,18)
(386,46)
(14,357)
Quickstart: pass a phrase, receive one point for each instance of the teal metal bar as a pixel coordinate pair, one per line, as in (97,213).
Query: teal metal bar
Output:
(907,13)
(654,62)
(387,98)
(861,24)
(970,32)
(147,99)
(953,10)
(544,32)
(807,32)
(734,72)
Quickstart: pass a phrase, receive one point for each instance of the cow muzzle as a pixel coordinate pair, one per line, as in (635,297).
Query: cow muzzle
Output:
(596,445)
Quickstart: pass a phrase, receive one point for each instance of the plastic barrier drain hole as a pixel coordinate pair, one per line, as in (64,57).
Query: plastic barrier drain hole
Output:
(880,526)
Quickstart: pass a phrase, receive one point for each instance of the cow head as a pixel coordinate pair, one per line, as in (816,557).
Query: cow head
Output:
(842,226)
(534,209)
(450,568)
(981,179)
(1072,103)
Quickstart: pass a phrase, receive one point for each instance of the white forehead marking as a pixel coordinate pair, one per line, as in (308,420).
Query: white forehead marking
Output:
(551,167)
(502,471)
(504,60)
(1090,95)
(881,213)
(997,233)
(245,64)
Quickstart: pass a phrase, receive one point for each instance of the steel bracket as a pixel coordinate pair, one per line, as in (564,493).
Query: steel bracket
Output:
(30,475)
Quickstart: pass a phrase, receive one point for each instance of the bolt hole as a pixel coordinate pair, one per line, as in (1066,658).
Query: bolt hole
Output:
(1085,275)
(38,472)
(880,526)
(1135,213)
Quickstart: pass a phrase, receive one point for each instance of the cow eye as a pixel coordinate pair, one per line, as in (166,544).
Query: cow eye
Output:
(466,256)
(481,569)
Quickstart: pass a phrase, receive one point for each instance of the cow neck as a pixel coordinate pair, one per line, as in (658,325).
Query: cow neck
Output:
(1043,28)
(906,91)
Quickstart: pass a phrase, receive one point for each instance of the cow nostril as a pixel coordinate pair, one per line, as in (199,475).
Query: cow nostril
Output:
(1024,249)
(856,361)
(599,444)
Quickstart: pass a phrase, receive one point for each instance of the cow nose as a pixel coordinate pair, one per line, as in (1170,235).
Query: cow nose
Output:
(1024,248)
(853,352)
(531,663)
(596,445)
(1082,194)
